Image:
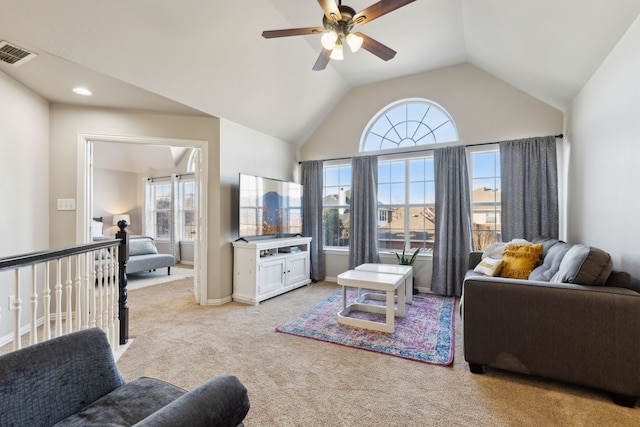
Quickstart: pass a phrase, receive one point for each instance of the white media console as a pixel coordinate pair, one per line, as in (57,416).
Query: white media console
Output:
(265,268)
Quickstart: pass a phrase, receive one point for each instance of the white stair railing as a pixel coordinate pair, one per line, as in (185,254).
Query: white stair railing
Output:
(86,292)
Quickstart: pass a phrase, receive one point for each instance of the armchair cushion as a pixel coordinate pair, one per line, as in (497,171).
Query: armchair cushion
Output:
(126,405)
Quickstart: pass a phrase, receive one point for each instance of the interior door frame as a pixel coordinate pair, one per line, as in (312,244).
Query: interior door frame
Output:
(84,206)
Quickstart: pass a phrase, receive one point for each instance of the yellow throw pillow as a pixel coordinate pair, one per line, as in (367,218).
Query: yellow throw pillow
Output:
(519,260)
(489,267)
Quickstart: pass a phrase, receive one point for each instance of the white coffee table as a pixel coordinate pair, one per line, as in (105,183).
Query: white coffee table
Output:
(388,283)
(406,271)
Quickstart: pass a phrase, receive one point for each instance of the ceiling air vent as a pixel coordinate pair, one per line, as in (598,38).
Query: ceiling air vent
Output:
(14,55)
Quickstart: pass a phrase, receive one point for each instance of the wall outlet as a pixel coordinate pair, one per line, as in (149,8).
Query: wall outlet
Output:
(12,300)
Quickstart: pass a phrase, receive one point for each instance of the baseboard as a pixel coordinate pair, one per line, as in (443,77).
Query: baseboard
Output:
(220,301)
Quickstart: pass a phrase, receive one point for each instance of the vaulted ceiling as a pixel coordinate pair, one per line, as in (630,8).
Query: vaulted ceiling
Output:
(208,56)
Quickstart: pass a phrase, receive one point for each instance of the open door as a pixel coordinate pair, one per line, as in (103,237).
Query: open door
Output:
(85,198)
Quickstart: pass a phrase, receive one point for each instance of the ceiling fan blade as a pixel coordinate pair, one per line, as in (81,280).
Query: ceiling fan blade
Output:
(322,61)
(378,49)
(330,9)
(376,10)
(292,32)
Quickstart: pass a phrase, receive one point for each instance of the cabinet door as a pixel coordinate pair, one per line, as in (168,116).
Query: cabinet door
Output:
(271,275)
(297,268)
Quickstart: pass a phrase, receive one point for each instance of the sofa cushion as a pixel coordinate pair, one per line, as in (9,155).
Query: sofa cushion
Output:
(142,247)
(551,262)
(584,265)
(494,250)
(489,266)
(519,260)
(127,404)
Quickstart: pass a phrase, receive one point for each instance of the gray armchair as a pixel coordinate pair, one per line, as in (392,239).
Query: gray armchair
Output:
(73,380)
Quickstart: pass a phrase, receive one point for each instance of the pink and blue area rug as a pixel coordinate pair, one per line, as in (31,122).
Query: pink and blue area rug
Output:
(425,333)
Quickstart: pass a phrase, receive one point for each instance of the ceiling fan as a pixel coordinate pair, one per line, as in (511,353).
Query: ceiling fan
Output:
(338,25)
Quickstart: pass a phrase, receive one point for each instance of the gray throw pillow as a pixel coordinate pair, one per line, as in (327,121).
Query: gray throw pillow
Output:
(551,263)
(142,247)
(584,265)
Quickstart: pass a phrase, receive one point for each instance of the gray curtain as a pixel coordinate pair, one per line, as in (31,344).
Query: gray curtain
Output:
(312,210)
(529,176)
(363,212)
(453,242)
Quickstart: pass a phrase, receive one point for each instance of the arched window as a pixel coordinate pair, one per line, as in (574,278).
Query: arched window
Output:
(408,123)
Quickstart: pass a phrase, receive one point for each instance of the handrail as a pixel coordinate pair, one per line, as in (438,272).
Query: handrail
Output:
(120,248)
(25,260)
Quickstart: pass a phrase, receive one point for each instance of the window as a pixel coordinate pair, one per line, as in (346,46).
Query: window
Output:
(408,123)
(406,182)
(406,193)
(335,202)
(187,209)
(160,209)
(485,199)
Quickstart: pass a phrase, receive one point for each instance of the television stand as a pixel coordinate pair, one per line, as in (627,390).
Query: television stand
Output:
(266,268)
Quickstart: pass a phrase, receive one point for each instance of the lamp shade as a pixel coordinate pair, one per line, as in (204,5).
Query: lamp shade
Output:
(123,217)
(329,39)
(354,41)
(337,53)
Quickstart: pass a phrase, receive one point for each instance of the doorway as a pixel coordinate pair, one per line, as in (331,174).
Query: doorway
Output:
(85,204)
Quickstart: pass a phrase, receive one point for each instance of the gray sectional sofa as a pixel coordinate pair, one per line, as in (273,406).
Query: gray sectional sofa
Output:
(573,320)
(73,380)
(144,256)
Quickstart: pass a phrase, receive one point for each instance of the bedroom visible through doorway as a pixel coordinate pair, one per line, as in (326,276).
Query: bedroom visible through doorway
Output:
(116,173)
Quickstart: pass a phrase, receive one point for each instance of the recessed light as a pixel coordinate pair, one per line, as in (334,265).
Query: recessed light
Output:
(82,91)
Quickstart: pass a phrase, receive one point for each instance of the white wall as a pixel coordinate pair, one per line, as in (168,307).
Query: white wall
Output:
(68,121)
(484,108)
(115,193)
(603,133)
(24,182)
(243,150)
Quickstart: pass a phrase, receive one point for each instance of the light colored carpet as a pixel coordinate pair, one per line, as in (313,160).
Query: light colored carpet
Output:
(302,382)
(151,278)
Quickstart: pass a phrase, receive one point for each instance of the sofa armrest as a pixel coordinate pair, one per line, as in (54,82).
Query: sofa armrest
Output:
(474,259)
(221,401)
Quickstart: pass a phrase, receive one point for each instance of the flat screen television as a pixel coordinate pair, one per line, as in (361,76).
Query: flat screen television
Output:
(269,207)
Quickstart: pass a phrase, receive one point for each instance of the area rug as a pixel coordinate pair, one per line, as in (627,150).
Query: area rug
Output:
(150,278)
(424,334)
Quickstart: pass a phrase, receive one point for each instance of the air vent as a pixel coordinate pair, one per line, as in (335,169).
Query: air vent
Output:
(14,55)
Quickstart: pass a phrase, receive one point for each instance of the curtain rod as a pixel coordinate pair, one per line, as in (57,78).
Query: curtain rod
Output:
(559,136)
(170,176)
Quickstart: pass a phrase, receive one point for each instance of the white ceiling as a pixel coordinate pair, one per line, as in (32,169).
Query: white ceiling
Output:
(208,56)
(136,158)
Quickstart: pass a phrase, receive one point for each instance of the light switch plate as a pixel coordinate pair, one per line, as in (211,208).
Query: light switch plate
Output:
(66,204)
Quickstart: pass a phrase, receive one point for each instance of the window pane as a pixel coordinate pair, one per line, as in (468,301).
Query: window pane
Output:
(486,204)
(408,124)
(336,227)
(416,193)
(162,225)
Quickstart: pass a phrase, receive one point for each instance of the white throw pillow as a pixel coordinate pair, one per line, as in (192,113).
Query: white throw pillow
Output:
(489,267)
(96,229)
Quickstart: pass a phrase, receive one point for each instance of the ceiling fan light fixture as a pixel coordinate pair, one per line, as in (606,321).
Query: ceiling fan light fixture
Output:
(354,41)
(337,53)
(329,39)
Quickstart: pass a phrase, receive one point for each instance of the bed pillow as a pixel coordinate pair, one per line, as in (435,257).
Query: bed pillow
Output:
(96,229)
(489,266)
(519,260)
(584,265)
